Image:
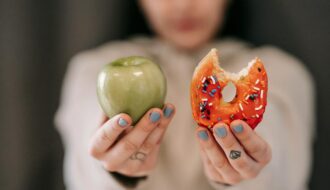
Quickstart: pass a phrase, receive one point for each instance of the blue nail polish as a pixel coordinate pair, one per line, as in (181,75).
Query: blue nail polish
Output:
(154,116)
(122,122)
(203,135)
(221,132)
(238,128)
(168,111)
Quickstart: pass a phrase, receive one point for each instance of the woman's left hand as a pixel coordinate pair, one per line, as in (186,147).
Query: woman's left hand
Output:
(232,154)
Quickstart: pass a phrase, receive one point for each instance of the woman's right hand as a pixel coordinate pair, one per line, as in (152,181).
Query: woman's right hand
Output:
(131,151)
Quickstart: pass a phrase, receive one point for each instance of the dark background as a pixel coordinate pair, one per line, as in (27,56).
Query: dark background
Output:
(38,37)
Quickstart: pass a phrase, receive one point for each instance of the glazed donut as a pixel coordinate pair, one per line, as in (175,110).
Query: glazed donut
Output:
(209,79)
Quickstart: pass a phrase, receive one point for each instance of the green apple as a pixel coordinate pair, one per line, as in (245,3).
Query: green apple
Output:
(131,85)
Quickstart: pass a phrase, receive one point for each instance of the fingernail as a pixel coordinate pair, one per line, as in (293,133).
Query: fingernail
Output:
(168,111)
(203,135)
(221,132)
(238,128)
(154,116)
(122,122)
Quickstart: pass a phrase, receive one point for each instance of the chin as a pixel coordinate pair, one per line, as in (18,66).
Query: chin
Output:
(190,42)
(190,46)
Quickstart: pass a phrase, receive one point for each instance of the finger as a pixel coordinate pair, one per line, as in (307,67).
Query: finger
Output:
(129,168)
(209,170)
(132,142)
(150,161)
(104,119)
(168,112)
(107,134)
(253,144)
(127,130)
(216,156)
(235,153)
(154,138)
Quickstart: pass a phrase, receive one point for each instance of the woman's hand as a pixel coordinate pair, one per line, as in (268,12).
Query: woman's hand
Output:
(232,154)
(131,151)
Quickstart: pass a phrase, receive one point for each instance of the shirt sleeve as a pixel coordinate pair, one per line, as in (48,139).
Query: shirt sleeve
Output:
(77,119)
(294,93)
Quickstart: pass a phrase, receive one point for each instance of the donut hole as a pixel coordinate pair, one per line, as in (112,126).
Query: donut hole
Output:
(229,92)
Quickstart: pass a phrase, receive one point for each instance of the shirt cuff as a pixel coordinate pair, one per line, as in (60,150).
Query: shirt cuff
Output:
(218,185)
(127,181)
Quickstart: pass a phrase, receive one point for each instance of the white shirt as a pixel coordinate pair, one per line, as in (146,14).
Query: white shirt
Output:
(288,124)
